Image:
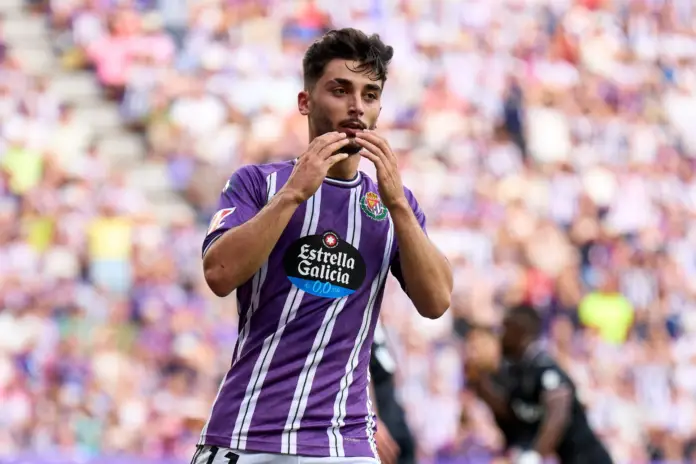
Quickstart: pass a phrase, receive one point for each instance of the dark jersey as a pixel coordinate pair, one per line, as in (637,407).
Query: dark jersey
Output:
(382,368)
(527,384)
(382,364)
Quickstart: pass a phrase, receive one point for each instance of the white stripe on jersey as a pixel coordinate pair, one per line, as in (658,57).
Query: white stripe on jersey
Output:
(259,278)
(256,285)
(270,344)
(341,402)
(321,340)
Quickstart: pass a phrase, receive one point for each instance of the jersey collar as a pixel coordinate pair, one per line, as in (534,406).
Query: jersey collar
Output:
(354,182)
(533,350)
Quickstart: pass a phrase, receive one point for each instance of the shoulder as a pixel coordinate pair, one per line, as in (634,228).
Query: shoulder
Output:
(543,361)
(551,376)
(258,173)
(411,197)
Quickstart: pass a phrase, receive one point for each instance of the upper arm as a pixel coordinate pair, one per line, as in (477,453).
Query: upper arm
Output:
(240,200)
(420,216)
(556,390)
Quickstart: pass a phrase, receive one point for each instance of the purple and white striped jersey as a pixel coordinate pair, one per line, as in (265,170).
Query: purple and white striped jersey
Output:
(298,383)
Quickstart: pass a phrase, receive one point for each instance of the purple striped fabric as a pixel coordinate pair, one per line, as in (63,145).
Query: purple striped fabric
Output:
(53,459)
(34,459)
(298,379)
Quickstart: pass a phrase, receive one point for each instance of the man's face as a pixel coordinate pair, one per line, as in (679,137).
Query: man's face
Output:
(342,100)
(509,339)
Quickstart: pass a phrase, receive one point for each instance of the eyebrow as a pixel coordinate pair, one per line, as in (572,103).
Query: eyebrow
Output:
(348,83)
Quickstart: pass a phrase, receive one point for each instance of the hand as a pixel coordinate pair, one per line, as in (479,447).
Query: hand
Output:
(377,150)
(313,165)
(387,448)
(528,457)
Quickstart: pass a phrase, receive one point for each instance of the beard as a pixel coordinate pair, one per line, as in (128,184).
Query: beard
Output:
(322,124)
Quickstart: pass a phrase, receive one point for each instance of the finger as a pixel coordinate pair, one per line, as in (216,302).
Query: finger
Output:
(369,146)
(376,160)
(328,151)
(378,141)
(387,158)
(323,141)
(337,158)
(320,142)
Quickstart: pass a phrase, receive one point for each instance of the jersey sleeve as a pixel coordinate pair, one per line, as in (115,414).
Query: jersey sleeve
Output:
(551,378)
(396,261)
(242,197)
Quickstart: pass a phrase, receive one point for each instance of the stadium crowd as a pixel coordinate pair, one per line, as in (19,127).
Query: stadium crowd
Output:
(550,143)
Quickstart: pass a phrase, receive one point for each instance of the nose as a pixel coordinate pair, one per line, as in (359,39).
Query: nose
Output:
(356,108)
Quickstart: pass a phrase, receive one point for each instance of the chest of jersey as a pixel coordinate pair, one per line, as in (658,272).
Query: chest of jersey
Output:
(525,395)
(337,242)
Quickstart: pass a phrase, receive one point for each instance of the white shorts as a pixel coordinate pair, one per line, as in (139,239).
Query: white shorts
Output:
(219,455)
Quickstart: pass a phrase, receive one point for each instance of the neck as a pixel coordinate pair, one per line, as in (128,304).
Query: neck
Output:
(532,348)
(522,351)
(346,169)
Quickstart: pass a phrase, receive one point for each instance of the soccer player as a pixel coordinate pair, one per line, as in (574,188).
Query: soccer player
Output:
(536,404)
(308,244)
(394,439)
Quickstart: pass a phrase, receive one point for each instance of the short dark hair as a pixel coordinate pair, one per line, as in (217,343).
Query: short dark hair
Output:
(347,44)
(528,317)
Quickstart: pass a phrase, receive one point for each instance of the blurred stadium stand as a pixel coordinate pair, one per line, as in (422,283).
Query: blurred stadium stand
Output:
(550,143)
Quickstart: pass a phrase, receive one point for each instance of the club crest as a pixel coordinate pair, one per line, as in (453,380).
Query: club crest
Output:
(373,207)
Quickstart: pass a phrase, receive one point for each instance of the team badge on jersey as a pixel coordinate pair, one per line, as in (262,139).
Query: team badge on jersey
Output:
(218,219)
(324,265)
(373,207)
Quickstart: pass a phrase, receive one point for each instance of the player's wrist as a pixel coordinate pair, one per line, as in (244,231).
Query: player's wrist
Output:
(291,196)
(399,205)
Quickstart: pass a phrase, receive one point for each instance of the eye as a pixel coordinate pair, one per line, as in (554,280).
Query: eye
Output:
(372,96)
(339,91)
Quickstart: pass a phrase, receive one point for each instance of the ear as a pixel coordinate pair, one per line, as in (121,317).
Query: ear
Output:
(303,102)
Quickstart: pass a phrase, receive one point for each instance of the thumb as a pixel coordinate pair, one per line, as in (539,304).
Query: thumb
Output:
(337,158)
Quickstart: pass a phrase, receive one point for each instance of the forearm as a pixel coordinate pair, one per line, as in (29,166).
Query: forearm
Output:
(425,270)
(552,428)
(239,253)
(492,396)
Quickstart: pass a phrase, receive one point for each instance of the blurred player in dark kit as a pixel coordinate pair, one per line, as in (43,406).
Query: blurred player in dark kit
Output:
(533,400)
(394,435)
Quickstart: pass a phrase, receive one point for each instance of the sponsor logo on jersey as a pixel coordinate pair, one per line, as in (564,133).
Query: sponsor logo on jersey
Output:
(218,219)
(526,412)
(373,207)
(324,265)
